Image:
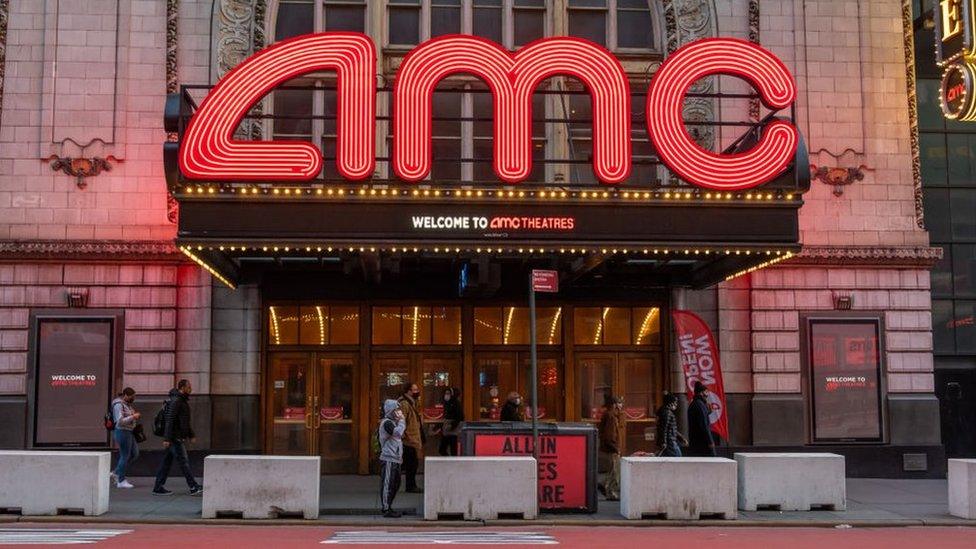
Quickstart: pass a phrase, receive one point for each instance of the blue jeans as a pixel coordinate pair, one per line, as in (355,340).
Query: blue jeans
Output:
(672,451)
(178,451)
(128,451)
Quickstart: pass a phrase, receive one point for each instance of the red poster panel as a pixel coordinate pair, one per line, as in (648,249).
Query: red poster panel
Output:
(562,464)
(700,362)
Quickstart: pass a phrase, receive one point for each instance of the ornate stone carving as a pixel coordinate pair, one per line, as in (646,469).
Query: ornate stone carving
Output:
(141,250)
(240,32)
(838,178)
(81,168)
(908,45)
(911,256)
(754,109)
(686,21)
(172,83)
(4,12)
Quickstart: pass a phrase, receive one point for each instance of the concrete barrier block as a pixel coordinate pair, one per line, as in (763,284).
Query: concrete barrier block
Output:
(46,482)
(791,481)
(962,488)
(480,488)
(261,486)
(677,488)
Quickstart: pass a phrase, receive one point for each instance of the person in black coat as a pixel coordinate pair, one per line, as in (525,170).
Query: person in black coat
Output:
(700,440)
(451,428)
(176,432)
(512,410)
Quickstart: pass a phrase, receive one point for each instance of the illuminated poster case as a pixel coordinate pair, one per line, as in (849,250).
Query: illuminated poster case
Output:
(74,363)
(845,379)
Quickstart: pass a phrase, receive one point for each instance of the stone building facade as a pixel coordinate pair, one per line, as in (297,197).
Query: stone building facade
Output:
(84,209)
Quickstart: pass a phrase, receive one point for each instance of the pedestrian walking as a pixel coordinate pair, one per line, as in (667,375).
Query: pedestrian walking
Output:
(413,437)
(668,438)
(451,427)
(611,428)
(512,410)
(176,433)
(700,440)
(390,435)
(125,418)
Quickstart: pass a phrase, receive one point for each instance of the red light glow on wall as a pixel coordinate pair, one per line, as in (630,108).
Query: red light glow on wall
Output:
(209,151)
(674,144)
(512,78)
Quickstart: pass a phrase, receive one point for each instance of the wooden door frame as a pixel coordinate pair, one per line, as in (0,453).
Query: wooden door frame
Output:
(267,402)
(317,356)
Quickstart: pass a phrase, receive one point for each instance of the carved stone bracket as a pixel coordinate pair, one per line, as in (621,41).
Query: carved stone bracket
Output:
(838,178)
(115,250)
(81,168)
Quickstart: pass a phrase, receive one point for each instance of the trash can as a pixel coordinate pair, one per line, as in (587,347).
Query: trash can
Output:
(567,458)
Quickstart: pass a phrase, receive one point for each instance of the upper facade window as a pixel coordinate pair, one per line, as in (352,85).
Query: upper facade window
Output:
(620,25)
(297,17)
(512,23)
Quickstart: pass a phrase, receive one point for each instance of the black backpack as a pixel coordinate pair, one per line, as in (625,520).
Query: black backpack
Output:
(159,422)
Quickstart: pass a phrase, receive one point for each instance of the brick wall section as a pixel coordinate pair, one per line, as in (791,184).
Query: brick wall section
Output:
(236,341)
(735,342)
(147,293)
(194,322)
(127,203)
(778,295)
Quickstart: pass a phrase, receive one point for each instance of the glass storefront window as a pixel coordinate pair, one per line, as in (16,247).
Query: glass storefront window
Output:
(496,378)
(964,326)
(595,382)
(313,325)
(415,328)
(646,325)
(510,325)
(550,389)
(587,325)
(943,327)
(386,325)
(962,214)
(549,325)
(932,153)
(283,325)
(446,325)
(616,326)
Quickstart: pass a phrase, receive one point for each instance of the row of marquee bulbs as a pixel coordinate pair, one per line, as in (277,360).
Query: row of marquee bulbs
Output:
(779,256)
(480,193)
(454,249)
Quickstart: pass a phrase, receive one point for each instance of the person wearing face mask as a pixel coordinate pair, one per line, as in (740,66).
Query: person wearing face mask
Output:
(512,410)
(668,437)
(453,416)
(413,436)
(611,432)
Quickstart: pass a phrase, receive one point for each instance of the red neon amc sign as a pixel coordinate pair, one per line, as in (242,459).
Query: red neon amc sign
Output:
(209,151)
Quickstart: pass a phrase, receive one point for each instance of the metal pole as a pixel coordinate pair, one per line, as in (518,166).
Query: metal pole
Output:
(535,371)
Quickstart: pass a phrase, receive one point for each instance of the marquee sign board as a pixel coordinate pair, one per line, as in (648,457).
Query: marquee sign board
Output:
(954,52)
(209,151)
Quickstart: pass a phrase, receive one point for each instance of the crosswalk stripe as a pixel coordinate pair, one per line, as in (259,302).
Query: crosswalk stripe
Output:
(55,536)
(457,537)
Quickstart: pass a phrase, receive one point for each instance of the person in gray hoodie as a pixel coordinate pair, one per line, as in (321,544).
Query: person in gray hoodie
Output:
(390,437)
(125,417)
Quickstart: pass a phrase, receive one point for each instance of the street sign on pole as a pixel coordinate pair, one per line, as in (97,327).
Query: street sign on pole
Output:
(545,281)
(539,281)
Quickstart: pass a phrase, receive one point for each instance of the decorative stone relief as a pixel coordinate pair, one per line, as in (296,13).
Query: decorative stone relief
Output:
(908,45)
(4,12)
(172,84)
(838,178)
(81,168)
(686,21)
(754,109)
(240,32)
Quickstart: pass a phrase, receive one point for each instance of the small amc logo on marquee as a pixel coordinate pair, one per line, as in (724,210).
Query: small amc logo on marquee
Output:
(209,151)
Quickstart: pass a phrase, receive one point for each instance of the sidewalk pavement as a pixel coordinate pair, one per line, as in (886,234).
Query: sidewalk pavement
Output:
(352,500)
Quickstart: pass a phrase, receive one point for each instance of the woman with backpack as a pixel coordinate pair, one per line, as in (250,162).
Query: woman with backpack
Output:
(125,418)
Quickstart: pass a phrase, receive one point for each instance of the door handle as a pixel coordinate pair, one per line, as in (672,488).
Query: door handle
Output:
(317,413)
(309,422)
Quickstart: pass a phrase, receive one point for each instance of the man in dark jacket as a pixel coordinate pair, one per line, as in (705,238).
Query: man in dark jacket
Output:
(700,441)
(512,410)
(176,432)
(611,429)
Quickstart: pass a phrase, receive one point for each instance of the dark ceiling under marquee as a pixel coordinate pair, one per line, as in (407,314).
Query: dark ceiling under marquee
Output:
(384,232)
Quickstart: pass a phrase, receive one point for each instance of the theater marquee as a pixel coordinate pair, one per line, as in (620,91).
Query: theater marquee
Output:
(723,212)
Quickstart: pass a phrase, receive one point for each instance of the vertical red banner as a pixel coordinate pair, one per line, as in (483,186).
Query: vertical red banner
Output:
(700,362)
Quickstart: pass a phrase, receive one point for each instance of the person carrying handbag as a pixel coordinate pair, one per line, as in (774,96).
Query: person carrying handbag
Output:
(126,420)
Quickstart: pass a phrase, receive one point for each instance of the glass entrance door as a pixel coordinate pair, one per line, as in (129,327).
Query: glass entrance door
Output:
(501,373)
(637,377)
(313,408)
(432,372)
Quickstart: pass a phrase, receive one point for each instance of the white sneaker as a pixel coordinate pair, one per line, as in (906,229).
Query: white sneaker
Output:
(125,484)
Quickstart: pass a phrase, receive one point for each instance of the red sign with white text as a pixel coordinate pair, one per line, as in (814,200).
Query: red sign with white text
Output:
(562,464)
(545,281)
(209,151)
(700,362)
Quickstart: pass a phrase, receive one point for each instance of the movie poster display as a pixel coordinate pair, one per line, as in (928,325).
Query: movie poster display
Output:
(73,382)
(845,379)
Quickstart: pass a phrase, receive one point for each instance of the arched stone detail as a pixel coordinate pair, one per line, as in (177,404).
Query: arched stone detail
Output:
(686,21)
(238,31)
